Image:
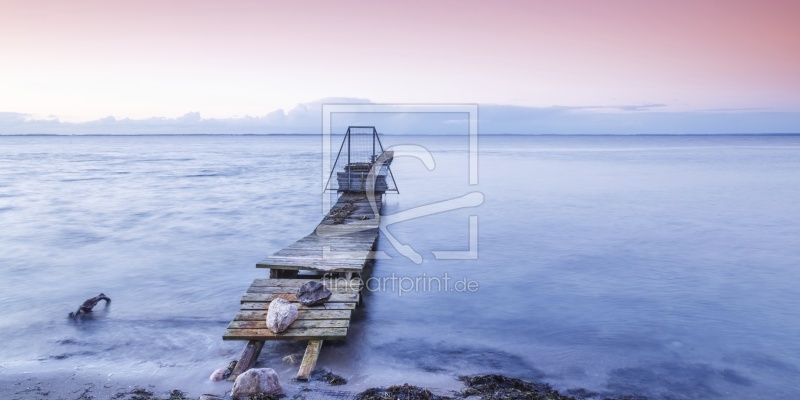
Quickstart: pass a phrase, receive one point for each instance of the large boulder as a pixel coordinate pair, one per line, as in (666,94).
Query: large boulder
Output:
(313,293)
(254,382)
(280,315)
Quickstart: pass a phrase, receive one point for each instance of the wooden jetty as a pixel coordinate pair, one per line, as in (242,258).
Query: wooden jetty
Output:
(335,253)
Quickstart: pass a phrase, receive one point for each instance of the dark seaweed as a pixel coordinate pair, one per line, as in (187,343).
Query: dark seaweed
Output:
(397,392)
(490,387)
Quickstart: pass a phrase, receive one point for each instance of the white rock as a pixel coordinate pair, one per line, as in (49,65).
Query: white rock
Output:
(218,374)
(256,381)
(280,315)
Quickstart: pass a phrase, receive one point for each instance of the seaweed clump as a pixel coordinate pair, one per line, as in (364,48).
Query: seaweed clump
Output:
(264,396)
(333,379)
(490,387)
(144,394)
(397,392)
(339,215)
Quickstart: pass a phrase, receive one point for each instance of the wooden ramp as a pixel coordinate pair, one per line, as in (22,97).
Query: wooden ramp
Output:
(334,254)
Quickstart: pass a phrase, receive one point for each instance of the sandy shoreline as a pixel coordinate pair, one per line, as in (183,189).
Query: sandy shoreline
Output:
(82,385)
(96,386)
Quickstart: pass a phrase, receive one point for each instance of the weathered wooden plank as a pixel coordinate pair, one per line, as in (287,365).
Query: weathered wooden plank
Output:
(329,282)
(292,290)
(248,358)
(328,247)
(255,306)
(311,266)
(354,254)
(342,285)
(257,315)
(309,360)
(315,261)
(309,261)
(315,248)
(358,235)
(344,230)
(320,258)
(349,227)
(319,268)
(333,240)
(305,323)
(334,244)
(267,297)
(289,334)
(336,286)
(325,249)
(329,229)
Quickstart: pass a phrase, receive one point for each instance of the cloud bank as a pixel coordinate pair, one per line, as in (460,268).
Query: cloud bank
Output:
(306,118)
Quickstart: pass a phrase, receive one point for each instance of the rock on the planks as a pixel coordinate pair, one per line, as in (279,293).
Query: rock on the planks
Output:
(313,293)
(254,382)
(280,315)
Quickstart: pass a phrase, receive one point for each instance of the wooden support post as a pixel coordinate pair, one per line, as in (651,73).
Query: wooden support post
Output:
(309,360)
(248,358)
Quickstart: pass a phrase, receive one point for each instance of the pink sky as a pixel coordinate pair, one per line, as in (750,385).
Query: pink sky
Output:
(82,60)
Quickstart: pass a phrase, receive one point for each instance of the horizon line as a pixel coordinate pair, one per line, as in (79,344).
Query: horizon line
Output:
(398,134)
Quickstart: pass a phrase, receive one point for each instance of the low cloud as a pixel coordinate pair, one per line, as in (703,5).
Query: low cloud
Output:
(632,120)
(306,118)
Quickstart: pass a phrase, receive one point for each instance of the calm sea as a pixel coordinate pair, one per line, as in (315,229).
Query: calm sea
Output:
(661,266)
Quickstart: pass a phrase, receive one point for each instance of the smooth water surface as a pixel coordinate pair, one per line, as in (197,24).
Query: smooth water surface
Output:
(660,266)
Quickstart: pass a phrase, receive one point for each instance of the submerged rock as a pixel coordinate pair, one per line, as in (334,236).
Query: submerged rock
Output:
(256,381)
(313,293)
(292,359)
(218,374)
(280,315)
(223,373)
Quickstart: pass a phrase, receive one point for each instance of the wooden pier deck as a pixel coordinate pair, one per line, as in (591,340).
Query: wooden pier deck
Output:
(335,253)
(341,243)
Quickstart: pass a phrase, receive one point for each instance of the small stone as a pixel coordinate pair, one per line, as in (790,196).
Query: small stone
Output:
(280,315)
(218,374)
(210,397)
(291,359)
(313,293)
(256,381)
